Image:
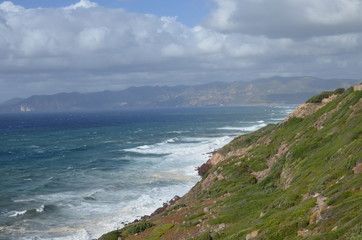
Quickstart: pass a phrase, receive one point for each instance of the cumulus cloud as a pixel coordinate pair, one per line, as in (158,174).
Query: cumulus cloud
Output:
(87,47)
(287,18)
(82,4)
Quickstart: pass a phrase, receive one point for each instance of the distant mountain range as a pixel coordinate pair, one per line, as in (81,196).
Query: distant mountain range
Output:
(275,90)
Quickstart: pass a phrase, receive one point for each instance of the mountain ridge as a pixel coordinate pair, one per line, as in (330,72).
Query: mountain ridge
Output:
(275,90)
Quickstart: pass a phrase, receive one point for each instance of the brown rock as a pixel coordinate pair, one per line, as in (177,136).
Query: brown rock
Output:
(358,168)
(304,110)
(314,218)
(357,87)
(222,226)
(303,233)
(252,235)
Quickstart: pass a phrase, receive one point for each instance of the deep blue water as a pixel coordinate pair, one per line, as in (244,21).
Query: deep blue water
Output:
(78,175)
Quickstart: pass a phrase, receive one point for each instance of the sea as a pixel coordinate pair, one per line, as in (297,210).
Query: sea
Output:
(66,176)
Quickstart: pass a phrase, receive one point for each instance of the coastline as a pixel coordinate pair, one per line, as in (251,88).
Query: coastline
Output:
(248,189)
(213,157)
(132,179)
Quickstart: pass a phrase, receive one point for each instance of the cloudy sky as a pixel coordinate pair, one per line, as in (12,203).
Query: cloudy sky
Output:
(50,46)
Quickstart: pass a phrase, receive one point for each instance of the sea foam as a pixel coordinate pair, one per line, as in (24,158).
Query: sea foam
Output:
(245,129)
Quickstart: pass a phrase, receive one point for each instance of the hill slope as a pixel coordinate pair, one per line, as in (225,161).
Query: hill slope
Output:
(300,179)
(276,90)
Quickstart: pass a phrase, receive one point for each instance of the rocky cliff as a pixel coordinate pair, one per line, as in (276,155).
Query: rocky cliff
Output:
(299,179)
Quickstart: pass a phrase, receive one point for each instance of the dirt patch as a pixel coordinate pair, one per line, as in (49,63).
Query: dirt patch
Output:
(358,168)
(320,206)
(261,175)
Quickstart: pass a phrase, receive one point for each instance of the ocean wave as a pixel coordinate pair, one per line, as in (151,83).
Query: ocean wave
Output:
(29,211)
(143,147)
(153,149)
(180,146)
(178,132)
(172,140)
(16,213)
(244,129)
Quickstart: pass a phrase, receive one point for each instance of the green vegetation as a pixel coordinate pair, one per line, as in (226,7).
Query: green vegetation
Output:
(194,216)
(159,231)
(319,98)
(127,231)
(204,236)
(295,180)
(171,209)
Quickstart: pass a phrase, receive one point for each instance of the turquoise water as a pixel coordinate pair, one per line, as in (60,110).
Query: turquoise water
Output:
(78,175)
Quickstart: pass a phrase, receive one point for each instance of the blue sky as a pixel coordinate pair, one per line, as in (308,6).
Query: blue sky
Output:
(189,12)
(52,46)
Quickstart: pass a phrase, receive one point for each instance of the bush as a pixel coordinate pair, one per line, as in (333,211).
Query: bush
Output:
(205,236)
(339,90)
(137,228)
(319,98)
(111,235)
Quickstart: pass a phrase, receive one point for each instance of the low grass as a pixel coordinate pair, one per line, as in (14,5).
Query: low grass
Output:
(127,231)
(317,161)
(159,231)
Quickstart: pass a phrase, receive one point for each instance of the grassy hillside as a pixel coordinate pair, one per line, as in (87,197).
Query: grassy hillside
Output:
(300,179)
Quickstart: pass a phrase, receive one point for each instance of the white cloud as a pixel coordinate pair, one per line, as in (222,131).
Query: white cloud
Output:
(287,18)
(86,47)
(173,50)
(92,38)
(8,6)
(82,4)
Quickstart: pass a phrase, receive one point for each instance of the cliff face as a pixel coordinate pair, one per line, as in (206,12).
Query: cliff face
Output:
(300,179)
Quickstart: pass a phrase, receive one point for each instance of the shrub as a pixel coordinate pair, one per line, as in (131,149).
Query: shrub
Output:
(111,235)
(159,231)
(339,90)
(205,236)
(137,228)
(319,98)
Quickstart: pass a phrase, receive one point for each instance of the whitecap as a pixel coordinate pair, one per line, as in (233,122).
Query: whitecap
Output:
(16,213)
(178,132)
(172,140)
(34,146)
(40,209)
(23,212)
(143,147)
(244,129)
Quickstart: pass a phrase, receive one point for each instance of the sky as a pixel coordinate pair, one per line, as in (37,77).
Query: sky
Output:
(52,46)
